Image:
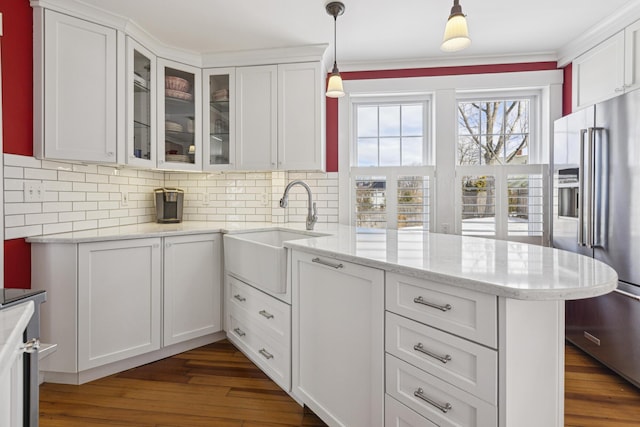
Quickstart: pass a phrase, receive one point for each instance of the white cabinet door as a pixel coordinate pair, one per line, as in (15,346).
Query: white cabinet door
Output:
(180,116)
(219,118)
(338,334)
(118,300)
(192,287)
(256,117)
(599,74)
(141,106)
(632,56)
(301,125)
(79,90)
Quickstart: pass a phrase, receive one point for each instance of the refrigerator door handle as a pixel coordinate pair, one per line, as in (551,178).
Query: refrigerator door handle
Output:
(600,174)
(581,212)
(591,186)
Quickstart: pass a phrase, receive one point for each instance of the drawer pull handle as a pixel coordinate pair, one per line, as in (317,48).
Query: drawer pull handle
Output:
(266,314)
(240,298)
(444,359)
(419,393)
(239,331)
(328,264)
(420,300)
(266,354)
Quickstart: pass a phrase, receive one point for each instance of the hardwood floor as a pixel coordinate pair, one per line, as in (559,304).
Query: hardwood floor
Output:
(217,386)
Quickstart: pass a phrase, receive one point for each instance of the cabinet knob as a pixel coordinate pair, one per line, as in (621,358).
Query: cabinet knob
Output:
(167,245)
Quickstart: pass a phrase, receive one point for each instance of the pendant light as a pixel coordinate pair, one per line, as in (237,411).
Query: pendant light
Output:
(334,87)
(456,33)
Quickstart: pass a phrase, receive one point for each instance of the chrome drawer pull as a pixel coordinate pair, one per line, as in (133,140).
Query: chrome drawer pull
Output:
(31,346)
(266,314)
(265,353)
(240,298)
(444,359)
(419,300)
(328,264)
(419,393)
(239,332)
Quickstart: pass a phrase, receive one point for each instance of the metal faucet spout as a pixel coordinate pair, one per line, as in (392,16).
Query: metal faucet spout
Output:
(312,211)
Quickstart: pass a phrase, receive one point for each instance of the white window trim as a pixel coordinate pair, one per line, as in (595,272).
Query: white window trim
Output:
(443,109)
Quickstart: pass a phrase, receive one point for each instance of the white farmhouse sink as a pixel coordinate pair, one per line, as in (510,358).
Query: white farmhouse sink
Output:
(259,258)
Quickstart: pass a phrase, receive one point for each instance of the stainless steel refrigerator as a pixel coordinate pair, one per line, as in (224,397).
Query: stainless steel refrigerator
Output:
(596,212)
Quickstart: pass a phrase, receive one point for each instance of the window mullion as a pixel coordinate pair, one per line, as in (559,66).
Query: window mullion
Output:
(392,199)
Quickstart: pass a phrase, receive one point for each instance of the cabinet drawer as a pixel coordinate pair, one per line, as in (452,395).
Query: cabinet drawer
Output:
(272,357)
(448,406)
(398,415)
(468,366)
(469,314)
(271,314)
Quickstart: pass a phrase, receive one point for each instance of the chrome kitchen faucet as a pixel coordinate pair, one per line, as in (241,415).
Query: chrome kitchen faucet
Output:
(312,211)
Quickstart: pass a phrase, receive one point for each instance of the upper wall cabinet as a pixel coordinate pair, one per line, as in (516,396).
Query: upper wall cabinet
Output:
(609,69)
(219,126)
(280,117)
(141,106)
(180,110)
(75,89)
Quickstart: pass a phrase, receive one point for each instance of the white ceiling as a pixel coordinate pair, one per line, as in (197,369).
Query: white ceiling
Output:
(370,30)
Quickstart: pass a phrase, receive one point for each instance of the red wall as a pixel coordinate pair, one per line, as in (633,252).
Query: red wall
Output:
(17,116)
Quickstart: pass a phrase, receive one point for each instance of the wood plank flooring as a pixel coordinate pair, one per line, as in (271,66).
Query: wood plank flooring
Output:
(216,385)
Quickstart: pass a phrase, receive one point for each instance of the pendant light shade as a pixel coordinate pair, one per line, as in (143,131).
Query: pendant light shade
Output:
(334,86)
(456,33)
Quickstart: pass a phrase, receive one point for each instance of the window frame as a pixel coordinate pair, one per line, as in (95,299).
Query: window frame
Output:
(391,173)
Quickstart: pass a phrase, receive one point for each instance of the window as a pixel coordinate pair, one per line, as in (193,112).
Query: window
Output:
(391,184)
(500,189)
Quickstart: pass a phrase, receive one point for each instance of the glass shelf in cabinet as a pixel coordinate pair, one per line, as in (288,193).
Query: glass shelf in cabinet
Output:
(137,87)
(140,124)
(220,106)
(180,137)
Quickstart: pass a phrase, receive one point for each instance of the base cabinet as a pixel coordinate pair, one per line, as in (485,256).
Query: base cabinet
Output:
(338,324)
(109,305)
(118,300)
(192,287)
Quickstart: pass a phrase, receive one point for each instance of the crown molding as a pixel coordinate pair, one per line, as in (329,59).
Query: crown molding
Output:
(307,53)
(610,25)
(447,62)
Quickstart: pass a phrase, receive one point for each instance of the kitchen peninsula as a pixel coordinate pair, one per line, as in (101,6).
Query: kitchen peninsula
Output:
(391,326)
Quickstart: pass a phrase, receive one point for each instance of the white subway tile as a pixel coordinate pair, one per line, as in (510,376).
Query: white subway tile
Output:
(43,218)
(107,170)
(13,184)
(84,187)
(26,231)
(113,179)
(85,206)
(128,220)
(85,168)
(109,205)
(70,196)
(61,227)
(108,188)
(60,166)
(13,220)
(57,207)
(97,196)
(22,208)
(13,172)
(57,186)
(70,176)
(42,174)
(14,196)
(71,216)
(21,161)
(85,225)
(111,222)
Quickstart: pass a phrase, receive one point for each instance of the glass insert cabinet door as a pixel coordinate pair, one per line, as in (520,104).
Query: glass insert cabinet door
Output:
(181,111)
(219,127)
(141,123)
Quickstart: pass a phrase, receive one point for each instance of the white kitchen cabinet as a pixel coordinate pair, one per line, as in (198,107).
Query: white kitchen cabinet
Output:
(632,56)
(141,74)
(119,285)
(75,88)
(599,73)
(219,145)
(338,339)
(260,326)
(280,117)
(192,287)
(180,114)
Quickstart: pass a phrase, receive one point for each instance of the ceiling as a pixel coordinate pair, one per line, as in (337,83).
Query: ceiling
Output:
(370,30)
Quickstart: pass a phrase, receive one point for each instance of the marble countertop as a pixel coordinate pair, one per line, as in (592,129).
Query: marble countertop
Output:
(502,268)
(13,321)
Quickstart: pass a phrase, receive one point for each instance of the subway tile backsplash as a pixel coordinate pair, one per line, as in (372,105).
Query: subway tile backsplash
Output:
(78,196)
